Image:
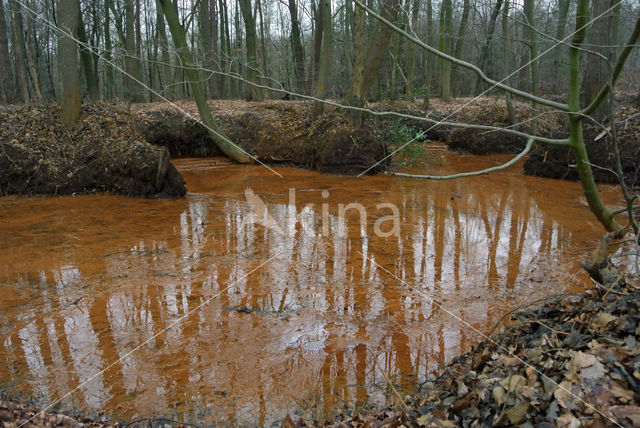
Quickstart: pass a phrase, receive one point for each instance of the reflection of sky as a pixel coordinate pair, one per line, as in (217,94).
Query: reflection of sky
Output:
(306,326)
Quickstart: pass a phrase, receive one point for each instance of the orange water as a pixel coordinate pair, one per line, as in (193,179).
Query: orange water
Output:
(186,309)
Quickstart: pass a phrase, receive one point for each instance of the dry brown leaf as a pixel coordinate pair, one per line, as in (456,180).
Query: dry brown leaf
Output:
(511,383)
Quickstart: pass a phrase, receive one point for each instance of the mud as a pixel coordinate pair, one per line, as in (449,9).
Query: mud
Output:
(197,310)
(556,162)
(275,132)
(102,153)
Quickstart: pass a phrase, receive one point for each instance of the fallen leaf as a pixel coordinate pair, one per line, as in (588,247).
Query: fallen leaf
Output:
(631,413)
(518,412)
(498,395)
(600,322)
(567,420)
(566,395)
(511,383)
(581,360)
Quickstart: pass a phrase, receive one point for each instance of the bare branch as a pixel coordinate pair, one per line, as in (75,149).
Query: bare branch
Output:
(513,161)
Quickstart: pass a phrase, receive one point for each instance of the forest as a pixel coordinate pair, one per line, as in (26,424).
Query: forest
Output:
(320,213)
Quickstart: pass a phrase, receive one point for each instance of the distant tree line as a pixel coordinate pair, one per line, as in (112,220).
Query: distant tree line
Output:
(316,47)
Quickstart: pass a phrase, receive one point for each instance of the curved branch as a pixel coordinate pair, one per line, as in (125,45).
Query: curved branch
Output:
(520,155)
(462,63)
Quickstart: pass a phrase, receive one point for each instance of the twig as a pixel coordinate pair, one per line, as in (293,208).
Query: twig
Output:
(395,391)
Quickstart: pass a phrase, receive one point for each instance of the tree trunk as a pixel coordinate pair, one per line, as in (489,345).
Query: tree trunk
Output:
(251,43)
(197,88)
(133,92)
(445,46)
(373,55)
(296,43)
(19,50)
(429,58)
(326,51)
(31,50)
(485,50)
(576,139)
(457,52)
(506,61)
(90,76)
(560,51)
(7,93)
(601,37)
(411,60)
(108,81)
(70,90)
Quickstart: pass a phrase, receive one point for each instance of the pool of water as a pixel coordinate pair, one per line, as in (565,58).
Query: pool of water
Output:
(258,295)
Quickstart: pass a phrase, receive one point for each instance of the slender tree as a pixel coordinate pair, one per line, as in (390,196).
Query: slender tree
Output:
(362,82)
(296,45)
(326,54)
(446,24)
(17,33)
(197,87)
(6,86)
(251,41)
(90,76)
(457,52)
(70,90)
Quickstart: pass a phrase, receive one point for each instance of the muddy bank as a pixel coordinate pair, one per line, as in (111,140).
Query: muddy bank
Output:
(490,111)
(102,153)
(275,132)
(556,162)
(574,361)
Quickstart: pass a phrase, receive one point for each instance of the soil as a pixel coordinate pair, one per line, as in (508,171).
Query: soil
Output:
(481,111)
(556,162)
(102,153)
(275,132)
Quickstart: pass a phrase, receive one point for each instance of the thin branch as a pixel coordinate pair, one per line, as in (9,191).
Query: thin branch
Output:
(520,155)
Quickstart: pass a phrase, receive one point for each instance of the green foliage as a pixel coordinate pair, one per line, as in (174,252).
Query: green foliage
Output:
(414,154)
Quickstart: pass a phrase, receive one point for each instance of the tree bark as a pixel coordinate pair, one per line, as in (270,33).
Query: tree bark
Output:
(70,90)
(296,43)
(19,50)
(326,52)
(251,44)
(361,84)
(411,60)
(457,52)
(596,71)
(90,76)
(485,62)
(446,11)
(132,64)
(506,61)
(197,88)
(563,11)
(7,92)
